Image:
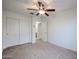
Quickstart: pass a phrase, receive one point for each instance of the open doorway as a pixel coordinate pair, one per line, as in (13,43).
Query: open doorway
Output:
(37,34)
(40,31)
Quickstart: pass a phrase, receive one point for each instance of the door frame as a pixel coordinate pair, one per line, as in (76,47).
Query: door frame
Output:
(33,40)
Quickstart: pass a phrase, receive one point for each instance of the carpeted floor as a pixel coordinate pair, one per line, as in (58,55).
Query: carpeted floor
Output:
(39,50)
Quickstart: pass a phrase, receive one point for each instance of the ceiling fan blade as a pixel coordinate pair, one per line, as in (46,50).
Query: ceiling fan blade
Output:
(39,3)
(32,9)
(50,9)
(37,14)
(46,14)
(31,13)
(43,7)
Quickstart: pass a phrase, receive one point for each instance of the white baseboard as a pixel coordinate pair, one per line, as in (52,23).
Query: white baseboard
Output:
(14,45)
(64,47)
(73,50)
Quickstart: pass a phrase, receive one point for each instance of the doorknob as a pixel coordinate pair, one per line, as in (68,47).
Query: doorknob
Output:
(6,33)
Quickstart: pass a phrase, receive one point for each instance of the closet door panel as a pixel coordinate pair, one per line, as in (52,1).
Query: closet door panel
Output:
(4,41)
(25,30)
(12,32)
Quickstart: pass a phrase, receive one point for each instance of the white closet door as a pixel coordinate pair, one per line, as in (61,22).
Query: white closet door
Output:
(12,32)
(4,41)
(25,30)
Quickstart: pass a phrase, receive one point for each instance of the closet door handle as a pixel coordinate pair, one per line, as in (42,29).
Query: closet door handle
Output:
(6,33)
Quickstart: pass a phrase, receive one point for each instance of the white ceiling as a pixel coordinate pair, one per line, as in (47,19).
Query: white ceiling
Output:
(21,5)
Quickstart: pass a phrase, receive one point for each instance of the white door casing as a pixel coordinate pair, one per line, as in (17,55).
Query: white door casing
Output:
(43,29)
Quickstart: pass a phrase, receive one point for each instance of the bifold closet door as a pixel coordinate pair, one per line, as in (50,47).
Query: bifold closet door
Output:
(25,30)
(12,31)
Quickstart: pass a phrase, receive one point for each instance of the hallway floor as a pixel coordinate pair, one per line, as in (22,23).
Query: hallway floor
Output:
(39,50)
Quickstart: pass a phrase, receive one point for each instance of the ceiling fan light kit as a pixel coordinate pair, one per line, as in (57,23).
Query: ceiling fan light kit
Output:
(41,9)
(41,12)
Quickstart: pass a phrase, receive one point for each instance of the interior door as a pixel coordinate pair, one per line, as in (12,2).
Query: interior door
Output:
(44,31)
(12,31)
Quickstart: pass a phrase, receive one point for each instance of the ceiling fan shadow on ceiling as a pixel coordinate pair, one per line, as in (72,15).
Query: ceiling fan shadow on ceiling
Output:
(41,9)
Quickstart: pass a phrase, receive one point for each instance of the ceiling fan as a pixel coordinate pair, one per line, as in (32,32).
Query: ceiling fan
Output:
(41,9)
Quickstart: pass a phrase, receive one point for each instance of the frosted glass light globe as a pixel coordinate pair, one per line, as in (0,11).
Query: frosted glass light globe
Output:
(41,11)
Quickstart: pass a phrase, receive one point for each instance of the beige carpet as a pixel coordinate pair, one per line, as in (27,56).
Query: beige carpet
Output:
(40,50)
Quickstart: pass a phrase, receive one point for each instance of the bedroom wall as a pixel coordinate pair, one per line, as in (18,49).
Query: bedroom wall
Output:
(62,29)
(24,31)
